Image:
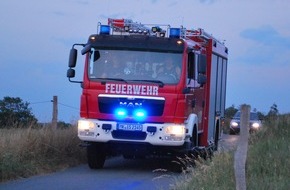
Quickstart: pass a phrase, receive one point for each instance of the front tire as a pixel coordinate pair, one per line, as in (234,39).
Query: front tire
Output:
(193,143)
(96,156)
(216,138)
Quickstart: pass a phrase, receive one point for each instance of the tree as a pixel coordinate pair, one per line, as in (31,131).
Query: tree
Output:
(274,112)
(230,111)
(15,112)
(261,116)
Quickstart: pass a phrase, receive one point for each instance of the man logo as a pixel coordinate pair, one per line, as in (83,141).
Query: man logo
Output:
(131,104)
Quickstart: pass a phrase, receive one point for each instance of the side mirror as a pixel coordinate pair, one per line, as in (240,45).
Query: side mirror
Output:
(70,73)
(72,58)
(86,49)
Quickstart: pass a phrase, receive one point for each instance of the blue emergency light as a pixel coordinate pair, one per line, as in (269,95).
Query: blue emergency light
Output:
(139,114)
(121,113)
(174,33)
(105,29)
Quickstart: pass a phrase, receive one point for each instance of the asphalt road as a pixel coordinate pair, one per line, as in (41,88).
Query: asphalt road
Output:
(118,173)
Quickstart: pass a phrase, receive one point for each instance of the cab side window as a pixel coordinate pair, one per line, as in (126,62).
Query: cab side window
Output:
(191,69)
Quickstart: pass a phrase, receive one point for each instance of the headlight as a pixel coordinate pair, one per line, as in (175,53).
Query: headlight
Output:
(256,125)
(85,125)
(234,124)
(177,130)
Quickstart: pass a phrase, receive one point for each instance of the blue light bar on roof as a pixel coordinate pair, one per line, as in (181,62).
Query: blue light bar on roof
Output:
(174,33)
(105,29)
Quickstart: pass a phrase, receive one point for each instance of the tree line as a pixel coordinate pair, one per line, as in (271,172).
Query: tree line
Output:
(14,112)
(272,113)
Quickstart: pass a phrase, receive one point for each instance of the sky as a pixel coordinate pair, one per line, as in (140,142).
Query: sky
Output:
(36,37)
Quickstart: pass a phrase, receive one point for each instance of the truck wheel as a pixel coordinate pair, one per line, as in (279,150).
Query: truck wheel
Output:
(96,156)
(193,144)
(216,139)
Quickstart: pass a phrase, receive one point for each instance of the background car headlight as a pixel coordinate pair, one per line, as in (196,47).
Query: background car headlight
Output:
(234,124)
(256,125)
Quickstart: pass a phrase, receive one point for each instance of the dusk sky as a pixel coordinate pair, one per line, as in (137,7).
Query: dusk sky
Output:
(36,37)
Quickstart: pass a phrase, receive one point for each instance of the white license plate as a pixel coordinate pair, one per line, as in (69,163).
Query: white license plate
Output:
(129,127)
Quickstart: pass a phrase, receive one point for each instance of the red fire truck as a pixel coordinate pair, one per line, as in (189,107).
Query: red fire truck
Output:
(150,90)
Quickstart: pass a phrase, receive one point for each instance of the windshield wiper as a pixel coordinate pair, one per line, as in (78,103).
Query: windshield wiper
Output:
(161,84)
(114,79)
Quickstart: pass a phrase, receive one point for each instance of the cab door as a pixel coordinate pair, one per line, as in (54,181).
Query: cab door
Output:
(195,92)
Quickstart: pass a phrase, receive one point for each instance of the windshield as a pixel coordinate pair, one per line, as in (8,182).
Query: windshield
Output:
(128,66)
(253,116)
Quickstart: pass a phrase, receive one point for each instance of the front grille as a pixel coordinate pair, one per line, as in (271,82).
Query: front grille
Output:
(154,107)
(130,135)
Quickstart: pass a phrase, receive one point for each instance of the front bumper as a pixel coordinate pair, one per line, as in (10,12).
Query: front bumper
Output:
(156,134)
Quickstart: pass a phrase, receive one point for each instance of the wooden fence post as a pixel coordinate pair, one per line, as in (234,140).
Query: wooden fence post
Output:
(54,113)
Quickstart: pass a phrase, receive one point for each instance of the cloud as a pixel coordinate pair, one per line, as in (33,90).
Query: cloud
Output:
(266,35)
(269,47)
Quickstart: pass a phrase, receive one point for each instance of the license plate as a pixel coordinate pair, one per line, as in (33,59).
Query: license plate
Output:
(129,127)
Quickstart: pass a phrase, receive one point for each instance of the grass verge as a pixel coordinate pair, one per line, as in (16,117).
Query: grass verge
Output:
(268,159)
(27,152)
(267,167)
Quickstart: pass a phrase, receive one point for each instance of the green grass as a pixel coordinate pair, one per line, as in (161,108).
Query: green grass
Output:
(268,163)
(267,166)
(27,152)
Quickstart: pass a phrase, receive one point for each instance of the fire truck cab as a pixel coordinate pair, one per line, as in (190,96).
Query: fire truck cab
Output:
(149,90)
